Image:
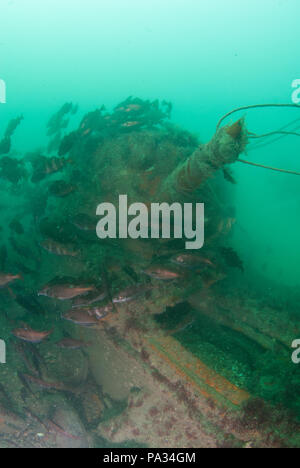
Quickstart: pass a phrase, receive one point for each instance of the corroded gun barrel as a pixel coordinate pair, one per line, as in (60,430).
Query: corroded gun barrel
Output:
(224,148)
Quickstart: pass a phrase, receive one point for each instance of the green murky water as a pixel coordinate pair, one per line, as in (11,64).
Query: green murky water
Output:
(71,138)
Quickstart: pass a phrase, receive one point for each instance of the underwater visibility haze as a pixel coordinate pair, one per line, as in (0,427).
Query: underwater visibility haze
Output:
(136,340)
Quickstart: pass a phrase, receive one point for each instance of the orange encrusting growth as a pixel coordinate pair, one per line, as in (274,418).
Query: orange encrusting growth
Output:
(191,369)
(235,129)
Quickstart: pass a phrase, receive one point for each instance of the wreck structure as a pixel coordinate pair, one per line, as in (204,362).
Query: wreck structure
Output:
(195,361)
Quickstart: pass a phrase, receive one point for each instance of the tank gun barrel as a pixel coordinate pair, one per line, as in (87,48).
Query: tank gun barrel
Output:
(224,148)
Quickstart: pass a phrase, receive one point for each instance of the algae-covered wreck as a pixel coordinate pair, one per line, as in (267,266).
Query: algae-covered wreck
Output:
(166,338)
